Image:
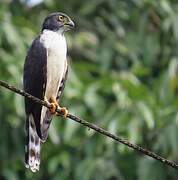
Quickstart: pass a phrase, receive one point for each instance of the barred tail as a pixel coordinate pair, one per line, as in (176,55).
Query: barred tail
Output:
(32,146)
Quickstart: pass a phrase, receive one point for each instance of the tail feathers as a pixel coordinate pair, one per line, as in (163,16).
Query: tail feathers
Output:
(45,123)
(33,145)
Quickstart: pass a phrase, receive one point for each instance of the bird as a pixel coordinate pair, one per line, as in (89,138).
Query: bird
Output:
(44,76)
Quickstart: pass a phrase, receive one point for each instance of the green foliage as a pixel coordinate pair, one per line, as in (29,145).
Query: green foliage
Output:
(123,75)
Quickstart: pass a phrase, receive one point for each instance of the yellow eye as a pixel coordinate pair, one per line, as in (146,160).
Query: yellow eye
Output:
(61,18)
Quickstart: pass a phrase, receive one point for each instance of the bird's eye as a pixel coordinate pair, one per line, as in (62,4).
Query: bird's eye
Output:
(60,18)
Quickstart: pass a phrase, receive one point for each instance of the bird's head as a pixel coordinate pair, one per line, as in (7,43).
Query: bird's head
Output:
(58,22)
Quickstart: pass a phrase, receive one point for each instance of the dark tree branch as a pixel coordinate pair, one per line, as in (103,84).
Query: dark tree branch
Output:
(94,127)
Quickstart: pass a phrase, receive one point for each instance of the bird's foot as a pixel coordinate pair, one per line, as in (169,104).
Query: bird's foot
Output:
(64,111)
(55,107)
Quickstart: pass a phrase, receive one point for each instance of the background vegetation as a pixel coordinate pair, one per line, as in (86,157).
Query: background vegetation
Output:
(123,76)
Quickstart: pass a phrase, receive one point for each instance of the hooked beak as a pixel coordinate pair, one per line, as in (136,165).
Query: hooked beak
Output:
(70,24)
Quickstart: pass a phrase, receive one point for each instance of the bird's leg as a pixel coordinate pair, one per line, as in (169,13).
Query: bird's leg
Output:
(63,109)
(55,106)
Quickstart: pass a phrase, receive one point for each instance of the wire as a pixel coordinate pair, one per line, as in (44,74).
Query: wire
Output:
(92,126)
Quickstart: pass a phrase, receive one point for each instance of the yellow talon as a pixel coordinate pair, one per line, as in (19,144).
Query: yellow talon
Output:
(55,106)
(46,101)
(64,110)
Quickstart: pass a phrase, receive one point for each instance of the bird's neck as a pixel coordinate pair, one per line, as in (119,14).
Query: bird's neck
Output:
(60,32)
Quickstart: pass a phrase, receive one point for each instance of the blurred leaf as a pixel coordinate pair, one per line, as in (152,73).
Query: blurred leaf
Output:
(149,169)
(146,114)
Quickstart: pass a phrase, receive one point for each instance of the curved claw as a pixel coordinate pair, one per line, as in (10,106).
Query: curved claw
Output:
(64,110)
(53,108)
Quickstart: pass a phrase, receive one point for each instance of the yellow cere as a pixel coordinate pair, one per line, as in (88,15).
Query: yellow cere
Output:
(61,18)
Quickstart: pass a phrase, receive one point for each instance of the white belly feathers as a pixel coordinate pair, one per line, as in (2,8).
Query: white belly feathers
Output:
(56,57)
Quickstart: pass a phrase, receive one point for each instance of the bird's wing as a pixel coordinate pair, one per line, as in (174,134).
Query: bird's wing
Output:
(62,84)
(34,78)
(48,117)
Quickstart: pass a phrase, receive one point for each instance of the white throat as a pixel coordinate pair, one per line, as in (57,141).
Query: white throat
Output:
(53,40)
